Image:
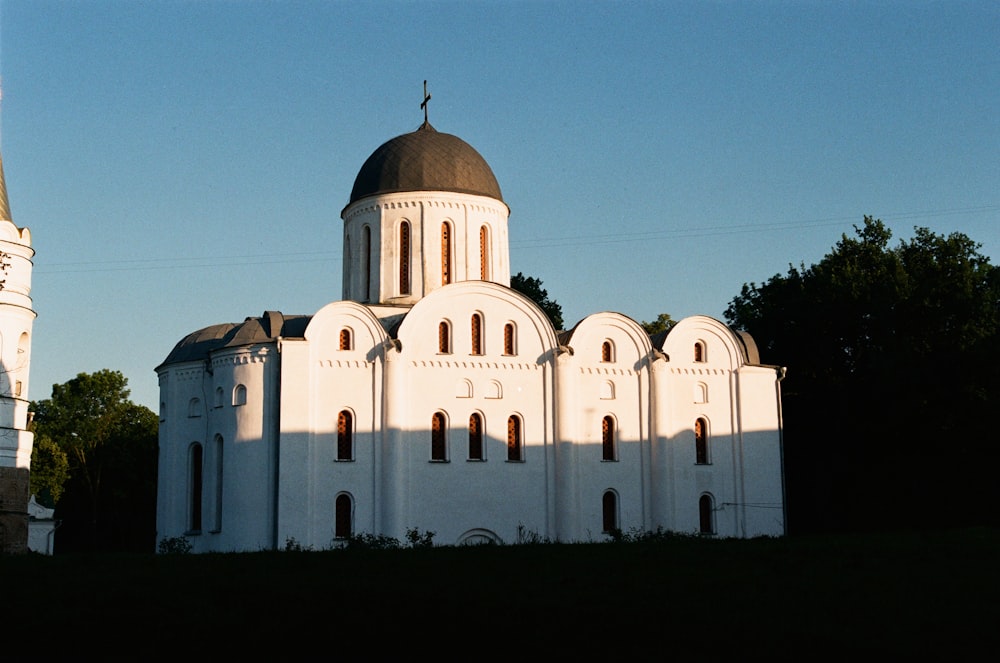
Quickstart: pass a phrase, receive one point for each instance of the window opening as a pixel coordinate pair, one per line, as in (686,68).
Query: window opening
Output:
(701,441)
(438,448)
(477,334)
(608,438)
(514,443)
(475,437)
(345,435)
(404,258)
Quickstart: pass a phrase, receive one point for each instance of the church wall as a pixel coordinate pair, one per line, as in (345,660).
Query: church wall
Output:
(763,488)
(237,451)
(613,386)
(704,387)
(322,380)
(249,433)
(456,495)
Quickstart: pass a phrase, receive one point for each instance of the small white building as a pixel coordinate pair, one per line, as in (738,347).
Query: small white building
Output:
(434,397)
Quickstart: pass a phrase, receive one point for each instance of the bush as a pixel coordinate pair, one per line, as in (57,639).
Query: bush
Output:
(174,545)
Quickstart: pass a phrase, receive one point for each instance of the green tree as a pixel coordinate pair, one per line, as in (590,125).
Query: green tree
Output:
(662,323)
(885,348)
(532,288)
(110,497)
(49,471)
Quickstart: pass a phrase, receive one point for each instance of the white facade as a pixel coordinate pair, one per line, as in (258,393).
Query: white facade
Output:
(16,320)
(436,398)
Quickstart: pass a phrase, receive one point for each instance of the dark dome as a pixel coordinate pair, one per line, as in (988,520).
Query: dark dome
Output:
(425,160)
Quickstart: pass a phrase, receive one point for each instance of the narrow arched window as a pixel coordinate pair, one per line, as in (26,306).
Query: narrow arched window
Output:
(706,515)
(477,334)
(445,253)
(219,396)
(366,263)
(439,447)
(346,342)
(444,338)
(514,442)
(404,258)
(608,438)
(607,351)
(218,483)
(484,253)
(195,486)
(194,407)
(343,525)
(701,441)
(508,339)
(475,437)
(609,511)
(345,436)
(699,351)
(240,395)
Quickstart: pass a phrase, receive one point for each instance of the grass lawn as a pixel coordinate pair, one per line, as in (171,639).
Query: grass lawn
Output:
(928,594)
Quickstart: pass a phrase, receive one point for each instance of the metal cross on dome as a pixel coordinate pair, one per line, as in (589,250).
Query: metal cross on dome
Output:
(423,104)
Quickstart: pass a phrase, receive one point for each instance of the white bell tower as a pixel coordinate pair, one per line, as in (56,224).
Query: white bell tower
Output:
(16,319)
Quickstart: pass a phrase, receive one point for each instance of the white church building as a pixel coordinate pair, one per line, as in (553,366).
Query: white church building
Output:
(435,398)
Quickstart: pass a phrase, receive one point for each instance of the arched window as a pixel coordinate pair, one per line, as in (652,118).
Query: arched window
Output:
(240,395)
(484,253)
(508,339)
(345,436)
(218,484)
(475,437)
(346,342)
(477,334)
(439,447)
(343,525)
(445,253)
(514,442)
(609,511)
(366,263)
(701,442)
(195,486)
(607,351)
(404,258)
(608,438)
(706,514)
(194,408)
(218,396)
(444,338)
(699,352)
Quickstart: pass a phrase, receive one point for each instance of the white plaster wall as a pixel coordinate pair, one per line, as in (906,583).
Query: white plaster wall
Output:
(248,461)
(425,212)
(16,320)
(763,486)
(620,389)
(323,380)
(453,497)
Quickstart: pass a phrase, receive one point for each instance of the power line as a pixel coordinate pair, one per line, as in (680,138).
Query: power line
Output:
(148,264)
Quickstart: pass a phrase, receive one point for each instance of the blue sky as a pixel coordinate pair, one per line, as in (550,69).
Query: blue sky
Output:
(182,164)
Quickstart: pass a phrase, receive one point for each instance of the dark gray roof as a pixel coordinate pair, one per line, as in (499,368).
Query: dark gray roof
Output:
(197,346)
(425,160)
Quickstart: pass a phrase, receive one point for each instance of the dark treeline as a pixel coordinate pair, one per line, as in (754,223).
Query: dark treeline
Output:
(892,357)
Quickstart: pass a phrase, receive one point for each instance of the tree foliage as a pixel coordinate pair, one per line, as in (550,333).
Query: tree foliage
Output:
(662,323)
(49,471)
(532,288)
(886,348)
(109,500)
